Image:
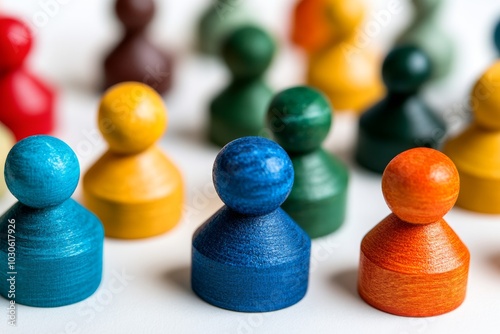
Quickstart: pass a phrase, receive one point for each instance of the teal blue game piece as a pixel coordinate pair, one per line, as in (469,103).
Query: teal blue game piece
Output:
(51,254)
(300,119)
(496,37)
(240,109)
(402,120)
(250,256)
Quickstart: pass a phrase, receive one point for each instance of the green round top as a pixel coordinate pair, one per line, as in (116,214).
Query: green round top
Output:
(406,68)
(248,52)
(300,118)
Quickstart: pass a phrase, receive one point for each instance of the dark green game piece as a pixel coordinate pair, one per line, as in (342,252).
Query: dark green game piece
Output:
(222,17)
(240,109)
(300,119)
(426,33)
(401,120)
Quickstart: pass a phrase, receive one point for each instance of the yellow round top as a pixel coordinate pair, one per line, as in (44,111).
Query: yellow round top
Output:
(485,99)
(345,16)
(132,117)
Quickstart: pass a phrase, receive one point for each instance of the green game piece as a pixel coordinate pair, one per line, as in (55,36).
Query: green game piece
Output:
(222,17)
(300,119)
(240,109)
(425,32)
(402,120)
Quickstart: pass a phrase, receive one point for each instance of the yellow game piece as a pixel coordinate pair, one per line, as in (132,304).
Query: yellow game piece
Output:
(346,70)
(134,188)
(476,152)
(7,140)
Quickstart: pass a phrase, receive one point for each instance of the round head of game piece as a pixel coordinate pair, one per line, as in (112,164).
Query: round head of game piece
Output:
(253,175)
(42,171)
(248,52)
(406,68)
(15,43)
(420,185)
(132,117)
(485,99)
(345,17)
(135,14)
(496,36)
(300,118)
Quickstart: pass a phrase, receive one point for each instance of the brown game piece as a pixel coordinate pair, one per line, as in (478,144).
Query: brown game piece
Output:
(135,58)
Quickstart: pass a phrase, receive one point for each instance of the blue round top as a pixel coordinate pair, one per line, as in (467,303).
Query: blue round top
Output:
(41,171)
(253,175)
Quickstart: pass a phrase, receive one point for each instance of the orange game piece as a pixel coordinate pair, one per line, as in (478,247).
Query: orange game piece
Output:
(412,263)
(310,27)
(345,70)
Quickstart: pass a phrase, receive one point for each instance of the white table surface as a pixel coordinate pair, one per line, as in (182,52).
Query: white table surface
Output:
(146,286)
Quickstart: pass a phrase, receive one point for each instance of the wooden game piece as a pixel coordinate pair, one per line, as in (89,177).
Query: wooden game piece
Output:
(347,73)
(496,37)
(426,33)
(57,243)
(7,140)
(412,263)
(250,256)
(300,119)
(476,151)
(222,17)
(136,58)
(134,188)
(310,27)
(402,120)
(27,102)
(240,109)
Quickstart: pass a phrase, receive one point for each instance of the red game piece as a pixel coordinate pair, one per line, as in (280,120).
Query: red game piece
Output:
(27,102)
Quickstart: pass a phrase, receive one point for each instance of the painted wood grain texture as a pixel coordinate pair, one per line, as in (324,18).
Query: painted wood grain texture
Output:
(250,256)
(336,69)
(401,120)
(476,151)
(58,243)
(240,109)
(134,188)
(412,263)
(300,119)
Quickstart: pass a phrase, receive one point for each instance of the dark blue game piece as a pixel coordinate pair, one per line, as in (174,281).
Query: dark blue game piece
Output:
(53,256)
(250,256)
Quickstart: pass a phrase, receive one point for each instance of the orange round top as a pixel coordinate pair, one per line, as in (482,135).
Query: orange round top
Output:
(132,117)
(420,185)
(485,99)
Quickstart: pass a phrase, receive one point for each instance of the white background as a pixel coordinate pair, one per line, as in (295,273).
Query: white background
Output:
(71,40)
